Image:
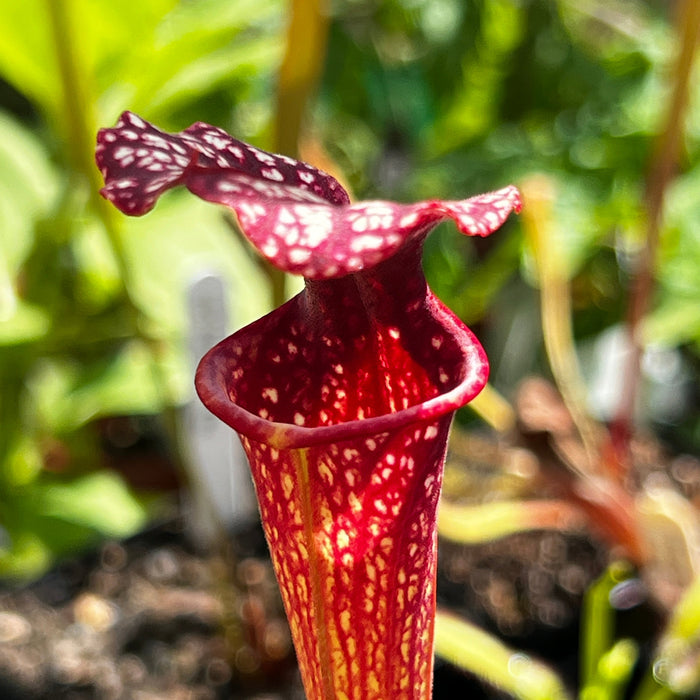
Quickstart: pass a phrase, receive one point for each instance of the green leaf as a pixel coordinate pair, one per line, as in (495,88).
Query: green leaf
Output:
(597,623)
(207,72)
(471,649)
(193,50)
(24,323)
(28,188)
(125,382)
(26,53)
(473,524)
(175,244)
(99,501)
(26,556)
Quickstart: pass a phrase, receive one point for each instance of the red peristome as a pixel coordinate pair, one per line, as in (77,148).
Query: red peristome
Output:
(364,354)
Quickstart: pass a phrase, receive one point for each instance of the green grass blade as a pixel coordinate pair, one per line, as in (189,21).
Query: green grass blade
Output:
(473,650)
(597,622)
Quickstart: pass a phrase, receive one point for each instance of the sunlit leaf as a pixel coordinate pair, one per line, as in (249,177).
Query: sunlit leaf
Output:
(26,58)
(24,323)
(472,649)
(28,188)
(485,522)
(99,501)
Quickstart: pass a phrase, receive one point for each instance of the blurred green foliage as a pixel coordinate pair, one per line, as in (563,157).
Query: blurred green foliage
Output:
(419,99)
(92,306)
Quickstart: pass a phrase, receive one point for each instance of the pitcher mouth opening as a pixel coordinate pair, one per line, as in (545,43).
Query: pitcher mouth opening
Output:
(212,381)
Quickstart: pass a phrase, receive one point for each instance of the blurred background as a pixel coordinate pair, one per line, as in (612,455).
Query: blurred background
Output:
(591,106)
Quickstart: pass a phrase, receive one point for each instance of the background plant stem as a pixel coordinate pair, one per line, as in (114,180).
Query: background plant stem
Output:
(299,73)
(78,119)
(555,304)
(79,124)
(661,173)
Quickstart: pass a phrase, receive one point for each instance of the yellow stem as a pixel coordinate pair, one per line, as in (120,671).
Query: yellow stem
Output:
(299,73)
(555,304)
(78,118)
(493,407)
(79,124)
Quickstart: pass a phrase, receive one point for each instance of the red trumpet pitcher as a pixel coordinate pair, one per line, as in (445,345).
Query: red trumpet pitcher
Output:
(342,397)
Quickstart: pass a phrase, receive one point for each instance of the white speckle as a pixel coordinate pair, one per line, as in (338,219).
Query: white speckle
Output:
(316,224)
(408,220)
(155,185)
(270,248)
(306,177)
(250,213)
(395,333)
(287,486)
(153,139)
(271,394)
(298,255)
(360,224)
(299,419)
(368,241)
(263,157)
(328,271)
(272,174)
(284,216)
(123,152)
(159,155)
(380,506)
(431,432)
(137,121)
(219,142)
(226,186)
(291,236)
(436,342)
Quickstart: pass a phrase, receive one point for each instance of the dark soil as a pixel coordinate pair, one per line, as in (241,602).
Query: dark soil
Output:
(151,618)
